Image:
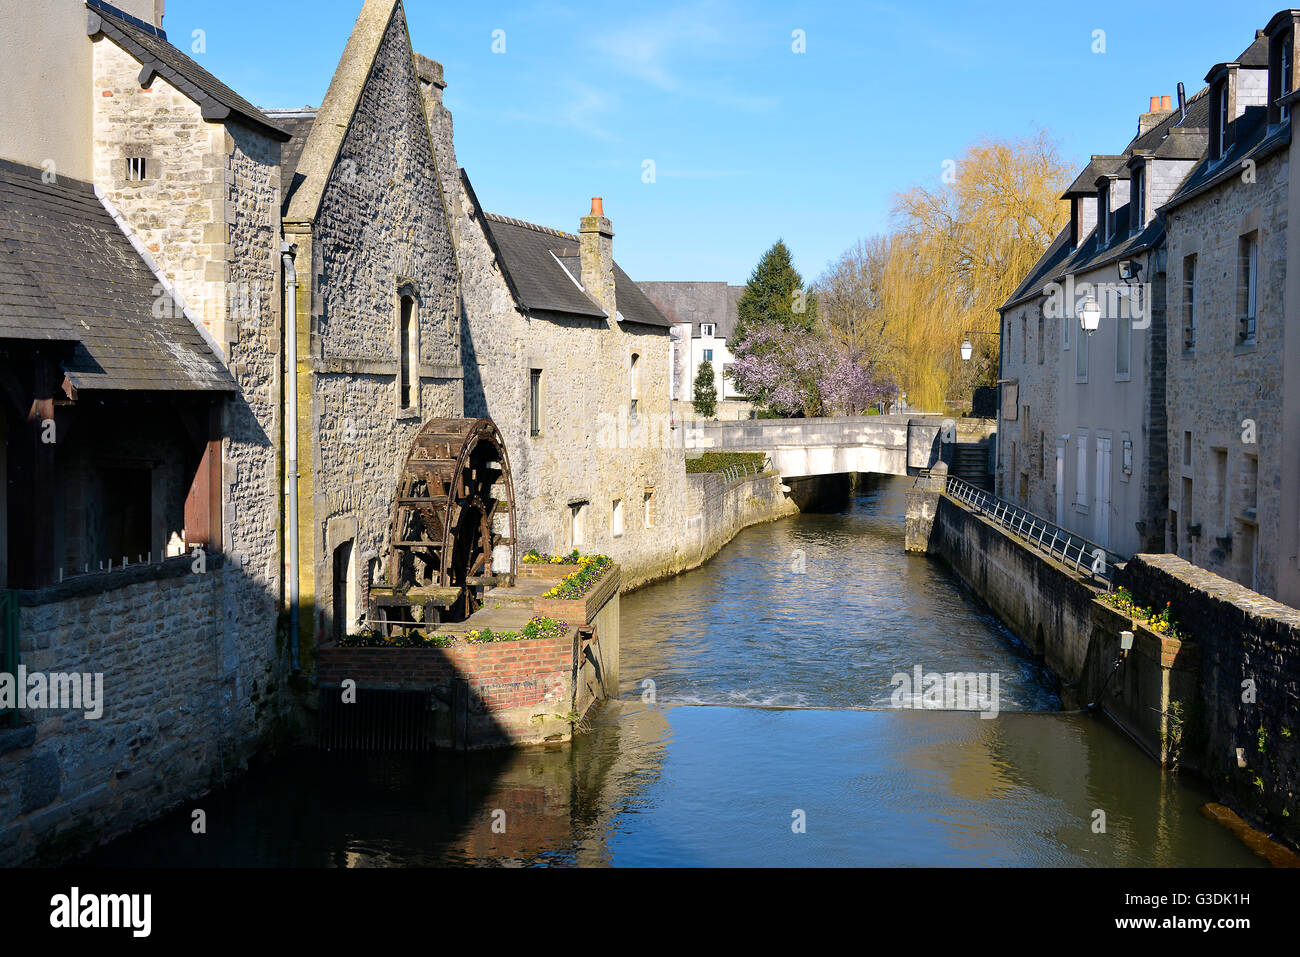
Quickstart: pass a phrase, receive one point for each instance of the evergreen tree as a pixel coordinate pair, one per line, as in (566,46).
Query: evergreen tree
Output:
(706,391)
(775,295)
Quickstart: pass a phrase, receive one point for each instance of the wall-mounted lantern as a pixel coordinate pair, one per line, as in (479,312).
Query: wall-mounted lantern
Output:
(1089,315)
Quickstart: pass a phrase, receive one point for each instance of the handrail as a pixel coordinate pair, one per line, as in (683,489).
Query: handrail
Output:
(733,472)
(1074,550)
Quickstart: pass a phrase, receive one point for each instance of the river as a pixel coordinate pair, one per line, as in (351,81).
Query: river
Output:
(754,727)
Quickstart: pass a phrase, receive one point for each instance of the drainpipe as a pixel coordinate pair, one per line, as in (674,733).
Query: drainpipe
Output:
(287,251)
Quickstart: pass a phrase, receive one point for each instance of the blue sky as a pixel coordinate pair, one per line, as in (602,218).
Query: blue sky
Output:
(750,140)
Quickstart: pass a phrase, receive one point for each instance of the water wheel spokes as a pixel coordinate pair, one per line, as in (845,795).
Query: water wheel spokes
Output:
(453,494)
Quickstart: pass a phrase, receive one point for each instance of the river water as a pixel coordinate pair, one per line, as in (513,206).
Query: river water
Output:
(755,727)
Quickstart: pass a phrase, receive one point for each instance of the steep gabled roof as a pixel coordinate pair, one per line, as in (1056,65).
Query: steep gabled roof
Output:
(70,264)
(149,45)
(324,139)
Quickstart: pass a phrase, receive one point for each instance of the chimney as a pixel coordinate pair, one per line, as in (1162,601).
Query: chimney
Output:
(1149,120)
(596,252)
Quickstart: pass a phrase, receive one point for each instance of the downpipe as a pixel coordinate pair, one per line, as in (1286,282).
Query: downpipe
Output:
(287,252)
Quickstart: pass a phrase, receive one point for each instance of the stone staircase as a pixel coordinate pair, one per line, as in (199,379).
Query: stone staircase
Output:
(970,463)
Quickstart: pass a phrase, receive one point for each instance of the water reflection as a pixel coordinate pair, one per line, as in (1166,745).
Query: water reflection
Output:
(709,783)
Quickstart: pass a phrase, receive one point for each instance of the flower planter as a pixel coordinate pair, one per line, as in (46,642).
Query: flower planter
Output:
(582,611)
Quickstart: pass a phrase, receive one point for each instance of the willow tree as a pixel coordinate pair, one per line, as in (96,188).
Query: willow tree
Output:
(958,252)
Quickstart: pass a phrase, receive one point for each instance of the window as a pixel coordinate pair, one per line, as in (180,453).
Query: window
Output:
(1123,345)
(1220,490)
(634,387)
(345,589)
(1042,452)
(1189,303)
(407,351)
(534,402)
(648,507)
(1041,343)
(616,523)
(136,168)
(708,355)
(1286,72)
(1081,358)
(1247,286)
(1103,211)
(1081,471)
(707,329)
(1024,340)
(1187,449)
(1137,211)
(577,524)
(1219,137)
(1250,486)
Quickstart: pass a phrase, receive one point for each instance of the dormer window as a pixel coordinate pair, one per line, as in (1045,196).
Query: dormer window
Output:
(707,329)
(1137,200)
(1103,212)
(1281,63)
(1285,77)
(1219,120)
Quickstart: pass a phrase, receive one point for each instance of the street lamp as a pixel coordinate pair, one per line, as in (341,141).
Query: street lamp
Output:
(967,350)
(1089,315)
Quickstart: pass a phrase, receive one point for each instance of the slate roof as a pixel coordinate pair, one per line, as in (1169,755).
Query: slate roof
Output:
(68,263)
(297,123)
(149,45)
(1253,139)
(543,269)
(1175,137)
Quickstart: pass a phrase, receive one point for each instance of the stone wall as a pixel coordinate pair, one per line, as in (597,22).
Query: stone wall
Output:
(587,450)
(1246,734)
(189,696)
(715,510)
(381,233)
(1055,610)
(1214,389)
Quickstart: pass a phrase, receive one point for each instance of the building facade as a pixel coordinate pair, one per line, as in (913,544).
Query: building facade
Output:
(705,315)
(1083,413)
(1234,342)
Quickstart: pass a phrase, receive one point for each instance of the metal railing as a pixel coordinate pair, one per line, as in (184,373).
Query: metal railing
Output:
(1072,550)
(8,647)
(733,472)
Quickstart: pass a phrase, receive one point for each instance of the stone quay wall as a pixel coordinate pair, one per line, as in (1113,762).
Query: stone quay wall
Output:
(189,695)
(1245,735)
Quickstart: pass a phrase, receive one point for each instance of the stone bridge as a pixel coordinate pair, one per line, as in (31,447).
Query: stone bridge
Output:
(883,444)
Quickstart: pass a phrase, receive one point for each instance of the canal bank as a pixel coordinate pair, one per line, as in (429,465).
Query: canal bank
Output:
(820,610)
(1214,695)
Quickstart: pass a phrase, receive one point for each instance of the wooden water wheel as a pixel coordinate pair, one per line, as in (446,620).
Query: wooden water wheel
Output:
(453,514)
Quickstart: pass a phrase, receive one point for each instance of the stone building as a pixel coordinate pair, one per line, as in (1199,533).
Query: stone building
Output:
(1233,339)
(378,336)
(573,362)
(1082,439)
(705,314)
(141,527)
